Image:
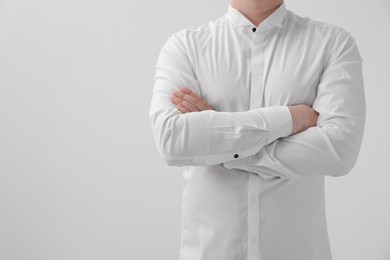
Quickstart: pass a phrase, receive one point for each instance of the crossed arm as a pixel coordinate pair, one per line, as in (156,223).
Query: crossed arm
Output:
(187,101)
(330,147)
(196,138)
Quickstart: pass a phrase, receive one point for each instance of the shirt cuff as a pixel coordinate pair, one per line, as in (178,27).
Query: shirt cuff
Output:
(242,164)
(279,121)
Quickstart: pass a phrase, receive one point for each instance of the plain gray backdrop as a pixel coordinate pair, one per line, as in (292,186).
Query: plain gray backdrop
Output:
(80,176)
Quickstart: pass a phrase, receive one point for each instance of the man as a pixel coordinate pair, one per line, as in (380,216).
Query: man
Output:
(259,106)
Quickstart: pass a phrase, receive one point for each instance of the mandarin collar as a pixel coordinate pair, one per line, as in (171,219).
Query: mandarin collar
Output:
(237,19)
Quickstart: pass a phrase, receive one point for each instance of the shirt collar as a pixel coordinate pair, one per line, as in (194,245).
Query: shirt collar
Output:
(238,19)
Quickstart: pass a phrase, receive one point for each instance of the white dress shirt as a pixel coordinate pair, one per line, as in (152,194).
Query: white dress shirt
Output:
(251,189)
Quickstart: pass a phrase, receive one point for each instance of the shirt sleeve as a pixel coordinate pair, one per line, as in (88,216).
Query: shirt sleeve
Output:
(332,146)
(207,137)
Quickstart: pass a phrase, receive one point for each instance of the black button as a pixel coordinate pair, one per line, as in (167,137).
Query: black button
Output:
(236,156)
(254,29)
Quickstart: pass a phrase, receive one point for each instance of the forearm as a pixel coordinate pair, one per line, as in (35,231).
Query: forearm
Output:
(210,137)
(317,151)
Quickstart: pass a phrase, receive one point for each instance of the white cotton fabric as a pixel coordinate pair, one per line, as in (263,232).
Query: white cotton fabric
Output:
(253,191)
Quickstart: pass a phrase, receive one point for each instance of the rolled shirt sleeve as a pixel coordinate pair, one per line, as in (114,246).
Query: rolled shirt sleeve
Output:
(207,137)
(332,146)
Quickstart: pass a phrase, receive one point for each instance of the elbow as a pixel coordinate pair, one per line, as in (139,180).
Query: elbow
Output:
(341,169)
(173,161)
(344,165)
(345,153)
(168,154)
(170,150)
(164,136)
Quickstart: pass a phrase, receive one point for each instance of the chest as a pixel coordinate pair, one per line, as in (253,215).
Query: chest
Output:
(276,71)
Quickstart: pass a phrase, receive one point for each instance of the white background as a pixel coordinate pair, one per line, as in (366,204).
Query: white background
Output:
(80,177)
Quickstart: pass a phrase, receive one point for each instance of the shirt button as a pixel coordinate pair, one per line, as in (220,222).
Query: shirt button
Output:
(236,156)
(254,29)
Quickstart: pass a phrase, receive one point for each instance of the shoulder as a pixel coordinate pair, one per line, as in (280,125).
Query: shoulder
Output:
(336,38)
(318,27)
(204,28)
(187,36)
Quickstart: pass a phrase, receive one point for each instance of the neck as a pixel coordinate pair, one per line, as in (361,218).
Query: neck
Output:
(256,10)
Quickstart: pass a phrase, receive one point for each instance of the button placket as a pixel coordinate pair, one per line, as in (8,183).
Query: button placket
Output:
(254,181)
(257,72)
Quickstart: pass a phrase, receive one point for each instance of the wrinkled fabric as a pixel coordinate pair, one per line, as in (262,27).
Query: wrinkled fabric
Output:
(253,191)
